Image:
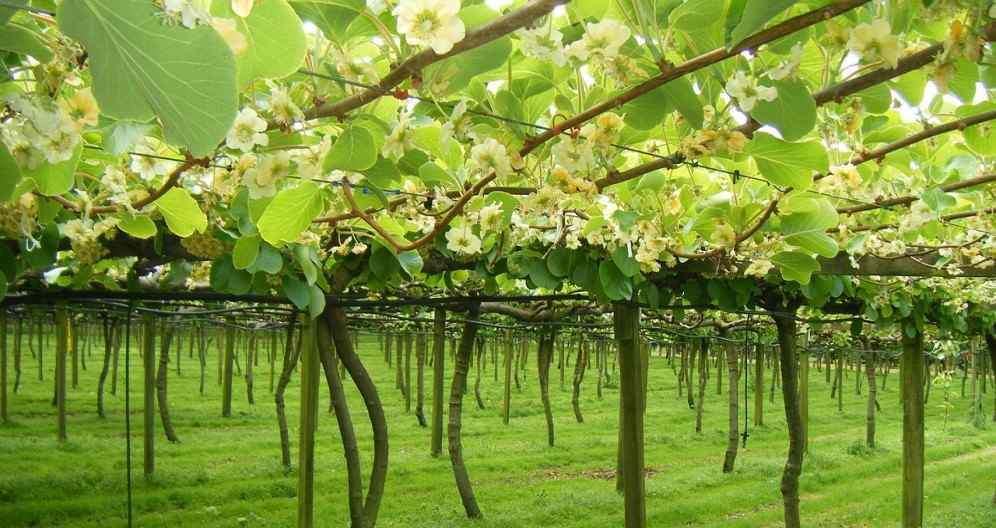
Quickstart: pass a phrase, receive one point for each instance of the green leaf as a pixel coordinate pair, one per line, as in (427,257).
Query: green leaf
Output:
(383,263)
(411,262)
(245,252)
(679,93)
(617,286)
(308,261)
(626,264)
(138,226)
(787,164)
(53,180)
(24,42)
(317,303)
(268,261)
(290,213)
(123,136)
(10,174)
(937,199)
(807,229)
(275,42)
(793,112)
(558,262)
(183,215)
(540,275)
(3,285)
(354,150)
(298,292)
(755,15)
(796,266)
(143,68)
(430,173)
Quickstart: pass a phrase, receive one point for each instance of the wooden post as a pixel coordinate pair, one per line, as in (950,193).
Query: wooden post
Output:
(912,371)
(507,401)
(226,398)
(309,421)
(626,319)
(758,385)
(149,408)
(804,396)
(61,350)
(438,373)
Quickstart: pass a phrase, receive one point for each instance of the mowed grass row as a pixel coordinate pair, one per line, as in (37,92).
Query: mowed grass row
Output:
(227,472)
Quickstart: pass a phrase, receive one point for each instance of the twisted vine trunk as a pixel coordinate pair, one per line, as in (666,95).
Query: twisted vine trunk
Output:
(291,354)
(544,359)
(354,473)
(733,438)
(580,364)
(703,370)
(109,332)
(438,373)
(250,362)
(166,340)
(457,387)
(477,378)
(786,326)
(336,318)
(17,353)
(991,345)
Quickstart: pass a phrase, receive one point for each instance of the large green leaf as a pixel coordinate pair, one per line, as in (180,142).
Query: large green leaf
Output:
(20,40)
(353,151)
(796,266)
(617,286)
(275,43)
(10,174)
(807,229)
(143,68)
(138,226)
(793,112)
(290,213)
(183,215)
(52,180)
(755,14)
(245,252)
(787,164)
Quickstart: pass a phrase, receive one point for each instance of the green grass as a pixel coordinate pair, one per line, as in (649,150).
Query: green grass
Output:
(227,472)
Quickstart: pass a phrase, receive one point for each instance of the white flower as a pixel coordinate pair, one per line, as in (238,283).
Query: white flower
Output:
(430,22)
(242,7)
(491,156)
(400,140)
(247,131)
(377,6)
(574,155)
(747,92)
(788,67)
(146,163)
(758,268)
(875,41)
(457,124)
(848,174)
(543,43)
(82,108)
(490,217)
(189,13)
(462,240)
(262,179)
(724,235)
(359,248)
(601,41)
(281,106)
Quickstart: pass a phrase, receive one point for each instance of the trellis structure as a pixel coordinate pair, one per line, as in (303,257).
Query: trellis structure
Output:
(632,156)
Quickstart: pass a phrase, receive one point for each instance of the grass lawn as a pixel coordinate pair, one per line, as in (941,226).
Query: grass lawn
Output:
(227,472)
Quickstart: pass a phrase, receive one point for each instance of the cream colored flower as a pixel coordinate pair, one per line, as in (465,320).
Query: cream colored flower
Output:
(748,92)
(875,41)
(848,174)
(400,141)
(724,235)
(247,131)
(262,179)
(491,156)
(281,106)
(82,108)
(462,240)
(189,13)
(601,41)
(788,67)
(544,43)
(758,268)
(432,23)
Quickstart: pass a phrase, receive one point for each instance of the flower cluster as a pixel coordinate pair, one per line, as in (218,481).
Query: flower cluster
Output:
(747,91)
(188,13)
(875,42)
(204,245)
(44,131)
